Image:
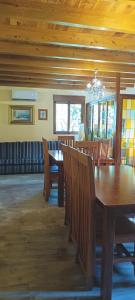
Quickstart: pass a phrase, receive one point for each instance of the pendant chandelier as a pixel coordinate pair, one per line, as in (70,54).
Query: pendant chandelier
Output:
(95,87)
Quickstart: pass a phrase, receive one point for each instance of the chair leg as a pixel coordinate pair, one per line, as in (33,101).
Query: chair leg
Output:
(47,194)
(134,258)
(69,236)
(47,191)
(44,189)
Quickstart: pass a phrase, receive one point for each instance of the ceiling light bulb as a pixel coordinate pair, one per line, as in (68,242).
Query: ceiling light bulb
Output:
(98,82)
(89,85)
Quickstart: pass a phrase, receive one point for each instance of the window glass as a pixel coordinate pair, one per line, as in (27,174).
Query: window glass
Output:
(95,120)
(75,117)
(68,114)
(89,116)
(103,116)
(61,117)
(110,119)
(128,132)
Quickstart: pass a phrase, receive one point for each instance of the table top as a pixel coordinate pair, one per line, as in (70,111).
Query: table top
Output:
(57,155)
(115,186)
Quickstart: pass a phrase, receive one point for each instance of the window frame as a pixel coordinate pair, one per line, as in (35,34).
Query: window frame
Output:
(68,100)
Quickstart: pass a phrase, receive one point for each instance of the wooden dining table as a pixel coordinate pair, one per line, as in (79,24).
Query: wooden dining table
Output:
(115,192)
(57,158)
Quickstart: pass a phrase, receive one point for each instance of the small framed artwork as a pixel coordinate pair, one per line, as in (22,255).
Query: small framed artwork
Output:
(42,114)
(21,114)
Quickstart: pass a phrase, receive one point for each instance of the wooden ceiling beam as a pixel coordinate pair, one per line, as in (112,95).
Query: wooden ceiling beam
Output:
(64,78)
(44,81)
(56,64)
(114,20)
(40,85)
(70,37)
(61,72)
(38,70)
(60,83)
(49,85)
(61,44)
(48,51)
(42,76)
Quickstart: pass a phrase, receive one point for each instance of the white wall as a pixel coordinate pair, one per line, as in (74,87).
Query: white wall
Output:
(15,132)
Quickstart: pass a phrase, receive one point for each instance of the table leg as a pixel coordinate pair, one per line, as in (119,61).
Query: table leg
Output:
(61,187)
(107,255)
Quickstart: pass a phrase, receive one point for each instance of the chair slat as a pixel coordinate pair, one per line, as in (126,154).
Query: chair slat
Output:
(49,174)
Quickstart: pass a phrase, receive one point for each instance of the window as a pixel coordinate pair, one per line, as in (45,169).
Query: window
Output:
(68,113)
(102,118)
(128,132)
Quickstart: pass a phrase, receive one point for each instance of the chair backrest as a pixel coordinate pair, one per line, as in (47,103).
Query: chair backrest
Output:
(46,155)
(67,139)
(86,252)
(99,150)
(82,145)
(67,180)
(82,210)
(89,147)
(74,218)
(104,148)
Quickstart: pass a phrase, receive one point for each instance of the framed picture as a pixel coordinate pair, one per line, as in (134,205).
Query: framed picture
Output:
(21,114)
(42,114)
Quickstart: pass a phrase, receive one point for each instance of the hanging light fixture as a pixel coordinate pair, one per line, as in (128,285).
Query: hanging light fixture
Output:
(95,87)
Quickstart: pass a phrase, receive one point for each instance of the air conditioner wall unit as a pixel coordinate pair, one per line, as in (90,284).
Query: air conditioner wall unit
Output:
(24,95)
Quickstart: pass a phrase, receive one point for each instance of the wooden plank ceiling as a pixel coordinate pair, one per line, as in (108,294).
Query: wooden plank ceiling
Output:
(59,43)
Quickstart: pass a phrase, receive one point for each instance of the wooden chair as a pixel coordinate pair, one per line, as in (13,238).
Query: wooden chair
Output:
(78,193)
(98,150)
(90,148)
(66,139)
(82,209)
(67,180)
(51,172)
(86,218)
(104,158)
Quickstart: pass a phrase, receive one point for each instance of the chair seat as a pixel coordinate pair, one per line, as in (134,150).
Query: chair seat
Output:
(54,169)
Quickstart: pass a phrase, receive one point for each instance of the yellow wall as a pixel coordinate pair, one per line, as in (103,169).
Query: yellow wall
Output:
(15,132)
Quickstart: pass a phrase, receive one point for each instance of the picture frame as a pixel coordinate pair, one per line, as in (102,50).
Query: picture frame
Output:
(21,114)
(42,114)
